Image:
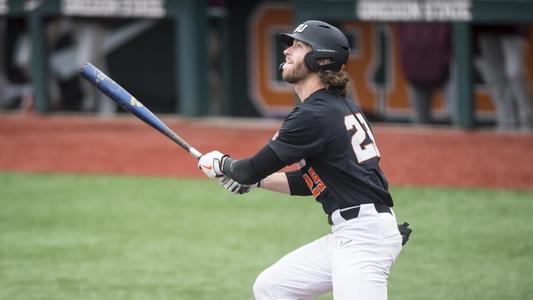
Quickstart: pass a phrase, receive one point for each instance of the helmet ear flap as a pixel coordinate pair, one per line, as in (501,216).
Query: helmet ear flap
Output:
(310,61)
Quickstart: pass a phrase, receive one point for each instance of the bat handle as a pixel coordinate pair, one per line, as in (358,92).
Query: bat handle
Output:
(195,153)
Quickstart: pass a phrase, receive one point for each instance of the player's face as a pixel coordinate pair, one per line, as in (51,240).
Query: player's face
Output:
(294,68)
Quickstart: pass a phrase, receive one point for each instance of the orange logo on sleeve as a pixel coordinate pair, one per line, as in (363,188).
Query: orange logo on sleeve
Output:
(314,183)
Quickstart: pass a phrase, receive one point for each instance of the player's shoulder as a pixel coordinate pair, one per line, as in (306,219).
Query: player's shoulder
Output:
(302,114)
(322,95)
(318,98)
(319,109)
(323,104)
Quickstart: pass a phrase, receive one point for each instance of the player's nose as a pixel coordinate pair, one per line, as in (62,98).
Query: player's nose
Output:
(286,52)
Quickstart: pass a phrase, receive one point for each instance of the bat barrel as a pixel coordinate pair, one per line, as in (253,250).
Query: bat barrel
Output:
(123,98)
(107,85)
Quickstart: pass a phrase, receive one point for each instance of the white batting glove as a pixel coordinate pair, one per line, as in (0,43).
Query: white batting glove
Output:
(230,184)
(211,164)
(235,187)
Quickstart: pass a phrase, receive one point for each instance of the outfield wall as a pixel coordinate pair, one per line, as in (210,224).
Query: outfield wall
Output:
(410,155)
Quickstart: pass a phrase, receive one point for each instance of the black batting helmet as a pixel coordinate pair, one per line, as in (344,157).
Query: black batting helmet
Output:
(326,40)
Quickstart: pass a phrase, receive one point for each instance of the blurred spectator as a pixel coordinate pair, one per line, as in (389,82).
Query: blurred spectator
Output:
(217,17)
(500,61)
(425,55)
(58,37)
(90,37)
(74,42)
(15,87)
(3,76)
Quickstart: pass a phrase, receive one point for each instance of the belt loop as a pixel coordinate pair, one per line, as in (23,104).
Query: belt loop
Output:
(382,208)
(351,213)
(341,215)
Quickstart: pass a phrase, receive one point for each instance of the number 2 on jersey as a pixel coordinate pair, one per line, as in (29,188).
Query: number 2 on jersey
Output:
(363,151)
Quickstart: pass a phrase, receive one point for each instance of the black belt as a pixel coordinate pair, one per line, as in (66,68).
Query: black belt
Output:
(352,213)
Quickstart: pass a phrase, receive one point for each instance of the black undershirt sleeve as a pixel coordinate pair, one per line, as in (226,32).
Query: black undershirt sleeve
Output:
(251,170)
(265,162)
(297,184)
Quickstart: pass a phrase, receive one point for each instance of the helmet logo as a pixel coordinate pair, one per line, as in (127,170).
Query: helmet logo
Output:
(300,28)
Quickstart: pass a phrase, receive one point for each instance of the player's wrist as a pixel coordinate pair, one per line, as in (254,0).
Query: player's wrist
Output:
(225,164)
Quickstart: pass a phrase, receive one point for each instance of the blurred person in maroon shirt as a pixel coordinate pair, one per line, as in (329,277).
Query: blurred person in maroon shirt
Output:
(425,56)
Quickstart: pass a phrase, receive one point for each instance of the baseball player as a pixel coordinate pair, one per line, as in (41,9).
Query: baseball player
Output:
(338,158)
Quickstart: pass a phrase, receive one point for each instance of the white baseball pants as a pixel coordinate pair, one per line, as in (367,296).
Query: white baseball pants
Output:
(354,261)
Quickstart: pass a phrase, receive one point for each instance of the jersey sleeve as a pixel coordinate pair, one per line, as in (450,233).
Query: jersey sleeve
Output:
(299,137)
(297,185)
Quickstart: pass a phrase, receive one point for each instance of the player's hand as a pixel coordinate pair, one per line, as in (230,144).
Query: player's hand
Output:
(211,163)
(246,188)
(405,231)
(235,187)
(230,184)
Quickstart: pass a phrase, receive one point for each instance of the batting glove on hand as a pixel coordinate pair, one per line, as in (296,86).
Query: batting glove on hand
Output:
(405,231)
(235,187)
(211,163)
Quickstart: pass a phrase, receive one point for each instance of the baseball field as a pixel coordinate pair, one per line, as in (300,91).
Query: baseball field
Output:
(109,209)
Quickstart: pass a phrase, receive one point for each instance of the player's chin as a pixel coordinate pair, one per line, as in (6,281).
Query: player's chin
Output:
(289,79)
(293,76)
(288,74)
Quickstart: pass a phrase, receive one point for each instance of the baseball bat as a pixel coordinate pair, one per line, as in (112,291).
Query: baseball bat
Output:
(118,94)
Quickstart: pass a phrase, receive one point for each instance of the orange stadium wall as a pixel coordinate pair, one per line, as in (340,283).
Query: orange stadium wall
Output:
(379,87)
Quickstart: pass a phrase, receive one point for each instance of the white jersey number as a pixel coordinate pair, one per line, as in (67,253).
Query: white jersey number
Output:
(363,152)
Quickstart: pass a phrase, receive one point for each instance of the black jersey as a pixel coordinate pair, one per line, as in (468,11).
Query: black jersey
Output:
(331,141)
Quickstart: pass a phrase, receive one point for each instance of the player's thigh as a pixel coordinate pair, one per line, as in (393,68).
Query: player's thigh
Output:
(301,274)
(363,256)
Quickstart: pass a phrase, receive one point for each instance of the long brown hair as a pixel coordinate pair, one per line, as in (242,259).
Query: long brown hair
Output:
(338,82)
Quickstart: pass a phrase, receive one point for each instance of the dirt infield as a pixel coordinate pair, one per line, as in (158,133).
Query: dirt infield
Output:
(124,145)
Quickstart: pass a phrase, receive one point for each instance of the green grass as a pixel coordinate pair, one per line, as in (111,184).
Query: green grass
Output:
(105,237)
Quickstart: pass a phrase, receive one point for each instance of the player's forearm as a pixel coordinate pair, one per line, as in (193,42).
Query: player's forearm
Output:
(276,182)
(251,170)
